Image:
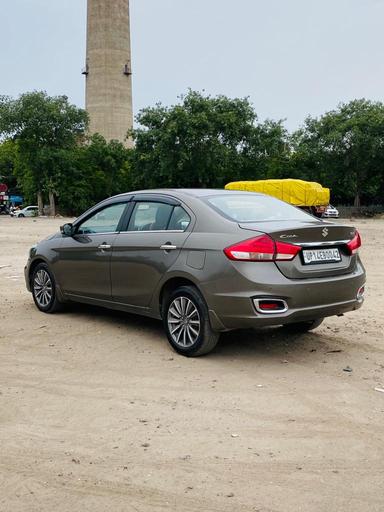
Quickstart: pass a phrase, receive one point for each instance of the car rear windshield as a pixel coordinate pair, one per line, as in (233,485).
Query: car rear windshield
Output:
(254,208)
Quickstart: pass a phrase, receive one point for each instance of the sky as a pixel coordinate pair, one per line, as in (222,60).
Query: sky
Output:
(293,58)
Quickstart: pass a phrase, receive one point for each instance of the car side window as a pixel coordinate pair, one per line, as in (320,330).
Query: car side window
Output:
(150,216)
(104,221)
(180,219)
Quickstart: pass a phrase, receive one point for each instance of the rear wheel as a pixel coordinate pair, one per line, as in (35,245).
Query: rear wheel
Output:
(304,326)
(44,289)
(186,322)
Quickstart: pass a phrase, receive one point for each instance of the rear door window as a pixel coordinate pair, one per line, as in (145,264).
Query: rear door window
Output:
(150,216)
(180,219)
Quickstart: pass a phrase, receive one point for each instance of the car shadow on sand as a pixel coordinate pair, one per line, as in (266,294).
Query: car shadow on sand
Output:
(270,341)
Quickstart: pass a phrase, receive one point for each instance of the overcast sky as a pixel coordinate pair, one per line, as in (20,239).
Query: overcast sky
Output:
(292,57)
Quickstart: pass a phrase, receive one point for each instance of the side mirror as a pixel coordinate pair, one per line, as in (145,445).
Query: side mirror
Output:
(67,230)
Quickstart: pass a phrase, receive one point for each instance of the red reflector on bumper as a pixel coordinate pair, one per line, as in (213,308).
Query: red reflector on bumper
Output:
(270,306)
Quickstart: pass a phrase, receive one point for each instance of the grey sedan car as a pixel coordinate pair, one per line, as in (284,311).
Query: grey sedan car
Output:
(203,261)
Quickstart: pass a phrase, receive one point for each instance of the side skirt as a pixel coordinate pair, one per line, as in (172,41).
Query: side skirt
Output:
(109,304)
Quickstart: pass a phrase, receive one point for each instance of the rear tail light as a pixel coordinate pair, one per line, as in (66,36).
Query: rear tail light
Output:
(261,248)
(354,244)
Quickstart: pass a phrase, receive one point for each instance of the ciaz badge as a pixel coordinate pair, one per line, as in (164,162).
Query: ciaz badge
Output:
(288,236)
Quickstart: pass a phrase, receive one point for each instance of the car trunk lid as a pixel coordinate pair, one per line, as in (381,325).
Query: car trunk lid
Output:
(323,246)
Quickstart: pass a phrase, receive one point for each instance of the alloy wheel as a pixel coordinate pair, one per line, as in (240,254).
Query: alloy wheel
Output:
(42,288)
(183,322)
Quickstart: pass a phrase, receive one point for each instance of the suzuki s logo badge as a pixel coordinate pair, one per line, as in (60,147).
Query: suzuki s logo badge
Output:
(325,232)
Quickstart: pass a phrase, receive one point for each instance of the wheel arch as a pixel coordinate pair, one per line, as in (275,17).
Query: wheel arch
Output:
(172,284)
(175,282)
(32,267)
(39,259)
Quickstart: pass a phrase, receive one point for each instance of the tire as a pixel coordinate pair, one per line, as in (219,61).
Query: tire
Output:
(43,286)
(21,215)
(301,327)
(186,323)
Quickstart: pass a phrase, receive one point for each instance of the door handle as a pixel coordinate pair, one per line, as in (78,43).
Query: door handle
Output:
(168,247)
(104,246)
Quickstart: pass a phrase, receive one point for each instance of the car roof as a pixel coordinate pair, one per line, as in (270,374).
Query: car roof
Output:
(193,192)
(204,192)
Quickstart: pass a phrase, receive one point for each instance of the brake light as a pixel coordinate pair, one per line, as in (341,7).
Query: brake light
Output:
(286,251)
(354,244)
(261,248)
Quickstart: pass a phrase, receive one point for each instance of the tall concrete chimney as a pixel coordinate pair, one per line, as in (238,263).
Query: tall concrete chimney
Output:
(108,69)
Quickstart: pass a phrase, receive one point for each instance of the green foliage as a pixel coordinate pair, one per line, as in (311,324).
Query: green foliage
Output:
(42,126)
(45,148)
(38,121)
(344,150)
(87,174)
(108,164)
(8,151)
(8,159)
(204,142)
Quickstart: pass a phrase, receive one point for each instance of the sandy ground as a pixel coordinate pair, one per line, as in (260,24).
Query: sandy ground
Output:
(97,413)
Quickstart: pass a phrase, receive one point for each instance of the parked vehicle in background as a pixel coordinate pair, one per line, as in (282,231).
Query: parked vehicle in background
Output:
(204,261)
(29,211)
(4,210)
(307,195)
(331,211)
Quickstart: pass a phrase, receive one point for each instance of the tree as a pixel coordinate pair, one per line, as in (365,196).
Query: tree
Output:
(43,126)
(8,157)
(267,155)
(88,173)
(344,149)
(203,142)
(109,161)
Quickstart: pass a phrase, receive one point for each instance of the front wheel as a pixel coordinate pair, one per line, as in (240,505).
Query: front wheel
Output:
(44,289)
(301,327)
(21,215)
(186,322)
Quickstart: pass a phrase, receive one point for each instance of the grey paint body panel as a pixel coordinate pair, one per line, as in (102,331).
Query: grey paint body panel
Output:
(138,264)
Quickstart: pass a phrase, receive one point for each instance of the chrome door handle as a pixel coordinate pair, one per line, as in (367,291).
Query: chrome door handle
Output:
(104,246)
(168,247)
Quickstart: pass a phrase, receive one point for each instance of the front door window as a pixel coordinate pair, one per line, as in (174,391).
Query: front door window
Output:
(104,221)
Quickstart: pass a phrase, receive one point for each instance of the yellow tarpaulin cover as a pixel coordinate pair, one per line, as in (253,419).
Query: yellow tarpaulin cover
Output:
(297,192)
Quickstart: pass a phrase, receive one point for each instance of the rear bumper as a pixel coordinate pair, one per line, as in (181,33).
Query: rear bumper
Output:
(307,299)
(254,319)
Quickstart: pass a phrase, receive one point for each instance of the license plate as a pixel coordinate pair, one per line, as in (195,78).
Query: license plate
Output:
(321,256)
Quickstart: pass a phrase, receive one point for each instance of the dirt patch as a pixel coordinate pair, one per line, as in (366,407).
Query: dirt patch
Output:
(97,413)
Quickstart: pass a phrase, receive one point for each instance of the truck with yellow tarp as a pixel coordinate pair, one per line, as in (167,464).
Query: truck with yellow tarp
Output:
(308,195)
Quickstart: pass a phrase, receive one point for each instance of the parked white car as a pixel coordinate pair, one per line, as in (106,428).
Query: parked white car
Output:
(28,211)
(331,211)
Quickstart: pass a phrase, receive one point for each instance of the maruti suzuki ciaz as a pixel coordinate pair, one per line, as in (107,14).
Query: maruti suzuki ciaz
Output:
(203,261)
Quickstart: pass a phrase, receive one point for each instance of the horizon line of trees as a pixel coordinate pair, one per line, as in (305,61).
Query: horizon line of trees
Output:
(202,141)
